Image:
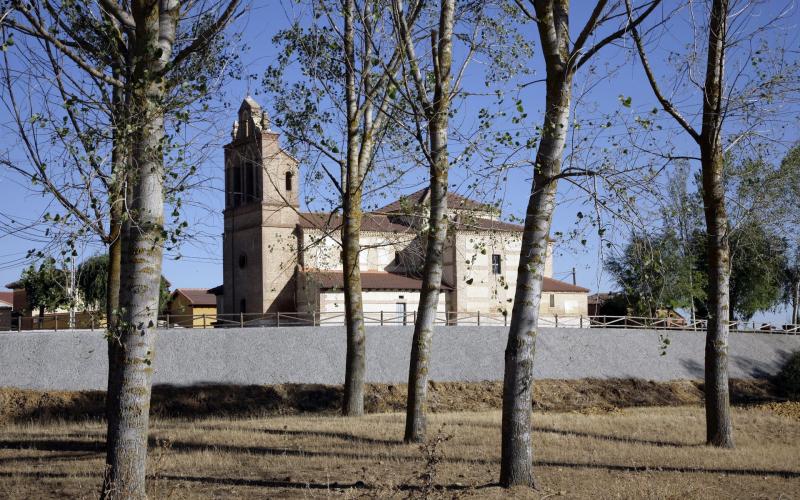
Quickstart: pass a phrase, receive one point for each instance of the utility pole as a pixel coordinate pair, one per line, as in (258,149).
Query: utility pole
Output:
(72,294)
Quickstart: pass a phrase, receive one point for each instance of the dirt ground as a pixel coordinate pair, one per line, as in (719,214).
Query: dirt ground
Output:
(653,452)
(258,401)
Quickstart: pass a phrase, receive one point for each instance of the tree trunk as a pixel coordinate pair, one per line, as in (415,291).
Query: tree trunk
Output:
(355,367)
(142,251)
(116,211)
(437,234)
(796,304)
(718,418)
(719,430)
(416,406)
(516,455)
(130,381)
(112,307)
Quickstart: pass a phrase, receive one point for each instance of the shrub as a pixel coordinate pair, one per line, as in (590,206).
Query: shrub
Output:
(788,379)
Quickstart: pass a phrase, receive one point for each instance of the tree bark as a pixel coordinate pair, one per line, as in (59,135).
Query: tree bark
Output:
(416,407)
(719,430)
(112,312)
(142,251)
(796,304)
(116,201)
(516,455)
(355,366)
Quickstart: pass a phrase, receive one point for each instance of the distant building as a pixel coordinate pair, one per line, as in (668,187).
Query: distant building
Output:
(6,305)
(187,306)
(279,259)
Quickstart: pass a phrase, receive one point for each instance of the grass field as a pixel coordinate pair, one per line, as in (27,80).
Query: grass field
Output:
(655,452)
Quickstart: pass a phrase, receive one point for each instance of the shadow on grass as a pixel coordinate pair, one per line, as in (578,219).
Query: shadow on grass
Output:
(65,457)
(181,446)
(616,439)
(343,436)
(259,483)
(269,483)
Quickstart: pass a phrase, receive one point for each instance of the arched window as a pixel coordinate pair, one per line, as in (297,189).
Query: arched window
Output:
(288,181)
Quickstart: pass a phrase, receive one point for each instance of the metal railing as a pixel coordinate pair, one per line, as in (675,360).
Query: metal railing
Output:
(380,318)
(87,321)
(687,324)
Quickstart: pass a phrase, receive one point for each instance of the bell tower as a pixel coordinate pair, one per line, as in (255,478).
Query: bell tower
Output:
(261,203)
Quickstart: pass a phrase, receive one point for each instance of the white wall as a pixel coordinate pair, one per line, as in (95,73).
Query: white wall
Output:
(377,254)
(374,301)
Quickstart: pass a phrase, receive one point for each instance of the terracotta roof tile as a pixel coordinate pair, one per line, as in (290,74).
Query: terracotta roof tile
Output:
(552,285)
(454,201)
(487,225)
(369,222)
(382,224)
(7,296)
(197,296)
(370,280)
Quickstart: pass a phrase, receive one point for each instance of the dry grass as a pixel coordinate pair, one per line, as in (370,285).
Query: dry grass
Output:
(640,452)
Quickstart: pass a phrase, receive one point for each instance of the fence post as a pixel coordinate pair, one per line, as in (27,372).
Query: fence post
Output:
(479,318)
(581,320)
(556,320)
(92,322)
(241,320)
(505,319)
(204,320)
(167,321)
(56,318)
(381,317)
(278,316)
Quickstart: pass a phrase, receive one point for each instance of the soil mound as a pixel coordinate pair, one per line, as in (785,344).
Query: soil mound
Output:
(591,395)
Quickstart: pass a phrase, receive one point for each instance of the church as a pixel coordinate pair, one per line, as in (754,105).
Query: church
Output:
(278,258)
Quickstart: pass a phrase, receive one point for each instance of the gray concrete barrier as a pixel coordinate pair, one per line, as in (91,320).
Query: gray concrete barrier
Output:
(76,360)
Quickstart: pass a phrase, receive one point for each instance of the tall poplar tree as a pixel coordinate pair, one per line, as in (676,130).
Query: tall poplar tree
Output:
(748,100)
(155,56)
(564,54)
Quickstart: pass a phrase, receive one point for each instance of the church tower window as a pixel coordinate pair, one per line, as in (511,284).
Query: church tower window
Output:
(250,184)
(288,181)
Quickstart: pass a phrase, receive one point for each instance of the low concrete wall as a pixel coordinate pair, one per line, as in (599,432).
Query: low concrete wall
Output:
(77,360)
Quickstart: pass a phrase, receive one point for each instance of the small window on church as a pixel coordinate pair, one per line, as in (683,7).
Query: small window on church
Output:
(243,261)
(496,265)
(288,181)
(552,300)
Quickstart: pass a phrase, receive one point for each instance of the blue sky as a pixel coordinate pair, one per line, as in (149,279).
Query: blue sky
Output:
(201,262)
